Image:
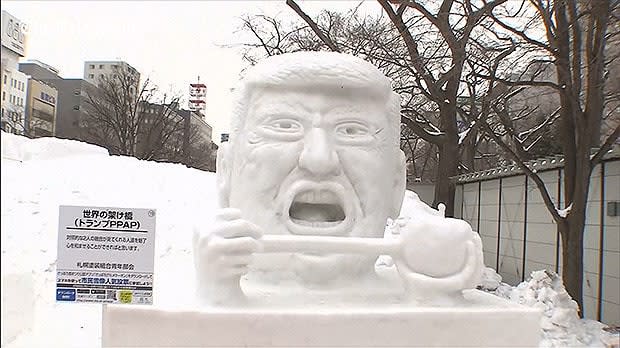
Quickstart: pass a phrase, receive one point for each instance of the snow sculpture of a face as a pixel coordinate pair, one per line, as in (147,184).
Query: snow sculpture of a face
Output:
(314,150)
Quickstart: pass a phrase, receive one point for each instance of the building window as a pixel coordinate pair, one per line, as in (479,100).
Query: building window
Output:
(91,66)
(5,79)
(76,107)
(3,95)
(100,66)
(91,76)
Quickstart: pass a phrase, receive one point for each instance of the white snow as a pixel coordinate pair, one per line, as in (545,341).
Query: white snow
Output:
(564,212)
(463,134)
(39,175)
(560,323)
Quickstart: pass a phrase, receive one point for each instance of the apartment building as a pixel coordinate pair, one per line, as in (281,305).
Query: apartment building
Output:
(70,100)
(97,70)
(14,83)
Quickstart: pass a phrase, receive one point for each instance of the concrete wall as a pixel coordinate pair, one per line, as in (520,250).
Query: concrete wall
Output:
(519,235)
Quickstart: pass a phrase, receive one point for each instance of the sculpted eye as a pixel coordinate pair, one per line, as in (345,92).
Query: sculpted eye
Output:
(352,129)
(284,125)
(282,128)
(353,133)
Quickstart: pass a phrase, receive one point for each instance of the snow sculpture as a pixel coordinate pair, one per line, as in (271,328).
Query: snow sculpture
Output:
(314,169)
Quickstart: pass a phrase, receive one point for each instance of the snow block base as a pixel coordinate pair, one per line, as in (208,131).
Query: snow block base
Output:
(486,322)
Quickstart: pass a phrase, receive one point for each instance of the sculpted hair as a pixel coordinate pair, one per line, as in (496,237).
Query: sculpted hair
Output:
(316,69)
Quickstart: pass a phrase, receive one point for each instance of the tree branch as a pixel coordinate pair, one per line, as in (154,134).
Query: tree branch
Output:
(332,46)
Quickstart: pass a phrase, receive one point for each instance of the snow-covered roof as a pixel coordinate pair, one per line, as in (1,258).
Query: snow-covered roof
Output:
(538,165)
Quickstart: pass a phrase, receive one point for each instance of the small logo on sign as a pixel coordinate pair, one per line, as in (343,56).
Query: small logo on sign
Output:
(65,294)
(125,296)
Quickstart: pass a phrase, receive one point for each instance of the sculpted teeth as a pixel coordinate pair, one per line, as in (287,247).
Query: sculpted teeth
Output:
(322,196)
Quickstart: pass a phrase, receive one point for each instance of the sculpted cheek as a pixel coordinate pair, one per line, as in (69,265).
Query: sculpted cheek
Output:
(267,164)
(367,174)
(254,138)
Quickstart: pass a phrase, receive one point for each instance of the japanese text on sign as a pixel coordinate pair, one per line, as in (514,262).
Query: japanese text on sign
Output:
(105,255)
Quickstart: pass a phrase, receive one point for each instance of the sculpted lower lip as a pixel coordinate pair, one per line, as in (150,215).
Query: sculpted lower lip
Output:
(320,228)
(316,224)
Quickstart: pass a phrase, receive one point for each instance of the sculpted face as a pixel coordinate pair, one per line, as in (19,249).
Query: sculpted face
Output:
(317,162)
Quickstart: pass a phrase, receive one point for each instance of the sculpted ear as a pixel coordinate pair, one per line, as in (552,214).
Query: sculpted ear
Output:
(223,167)
(400,182)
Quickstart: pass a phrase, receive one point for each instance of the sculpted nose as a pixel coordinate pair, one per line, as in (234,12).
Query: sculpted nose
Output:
(318,156)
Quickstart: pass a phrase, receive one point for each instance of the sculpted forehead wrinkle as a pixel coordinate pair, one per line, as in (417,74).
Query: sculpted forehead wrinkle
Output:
(268,101)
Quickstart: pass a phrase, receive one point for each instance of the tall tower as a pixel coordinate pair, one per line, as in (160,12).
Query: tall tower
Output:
(197,97)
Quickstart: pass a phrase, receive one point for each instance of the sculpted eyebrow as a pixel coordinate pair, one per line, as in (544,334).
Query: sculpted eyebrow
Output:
(282,106)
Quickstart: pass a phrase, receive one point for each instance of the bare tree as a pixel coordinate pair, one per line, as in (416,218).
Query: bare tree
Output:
(560,51)
(422,48)
(129,119)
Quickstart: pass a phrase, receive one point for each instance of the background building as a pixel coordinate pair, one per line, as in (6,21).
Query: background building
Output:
(94,70)
(14,83)
(71,96)
(41,109)
(39,69)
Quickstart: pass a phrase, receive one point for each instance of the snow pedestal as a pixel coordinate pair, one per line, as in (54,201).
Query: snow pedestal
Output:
(18,303)
(484,320)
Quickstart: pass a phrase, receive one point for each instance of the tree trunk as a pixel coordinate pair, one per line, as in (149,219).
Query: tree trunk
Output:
(572,227)
(571,232)
(448,167)
(469,151)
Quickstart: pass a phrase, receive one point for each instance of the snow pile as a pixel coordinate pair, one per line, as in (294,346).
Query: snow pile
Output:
(39,175)
(490,281)
(560,321)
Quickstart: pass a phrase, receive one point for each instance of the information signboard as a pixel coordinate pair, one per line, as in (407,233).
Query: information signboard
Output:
(105,255)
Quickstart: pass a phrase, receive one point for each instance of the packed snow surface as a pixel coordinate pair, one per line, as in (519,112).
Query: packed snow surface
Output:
(40,175)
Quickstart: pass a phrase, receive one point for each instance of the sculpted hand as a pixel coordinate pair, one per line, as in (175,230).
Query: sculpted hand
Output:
(222,255)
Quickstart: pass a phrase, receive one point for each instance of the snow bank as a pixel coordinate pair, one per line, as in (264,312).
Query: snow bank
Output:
(19,148)
(38,176)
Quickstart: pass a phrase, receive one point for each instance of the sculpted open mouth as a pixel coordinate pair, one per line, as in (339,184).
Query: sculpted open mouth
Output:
(318,211)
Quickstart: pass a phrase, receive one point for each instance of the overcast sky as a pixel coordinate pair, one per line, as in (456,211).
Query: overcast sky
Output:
(171,42)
